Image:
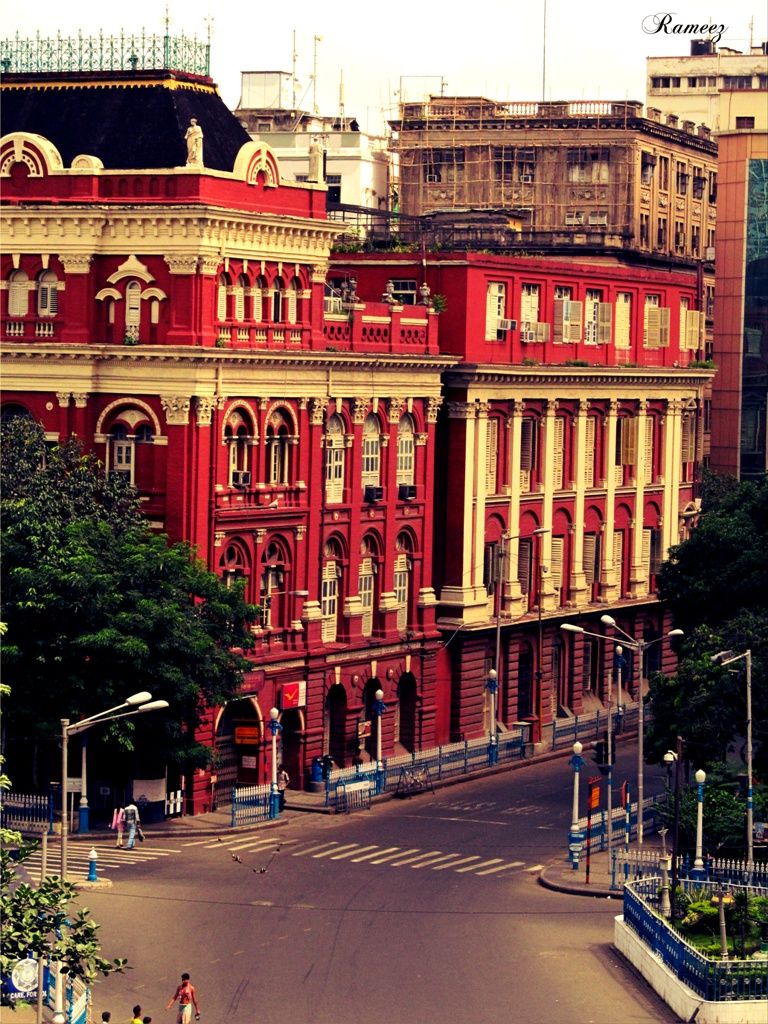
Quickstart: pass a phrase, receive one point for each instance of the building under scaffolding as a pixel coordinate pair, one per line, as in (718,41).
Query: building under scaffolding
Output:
(590,174)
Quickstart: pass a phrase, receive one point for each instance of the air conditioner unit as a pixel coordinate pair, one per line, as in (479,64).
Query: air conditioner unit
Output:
(598,218)
(506,325)
(526,179)
(241,478)
(432,178)
(406,492)
(528,336)
(574,218)
(372,495)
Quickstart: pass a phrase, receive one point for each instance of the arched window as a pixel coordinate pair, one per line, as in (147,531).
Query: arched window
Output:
(221,297)
(371,452)
(144,434)
(329,602)
(272,593)
(238,435)
(405,450)
(278,297)
(278,441)
(18,293)
(292,301)
(233,564)
(239,297)
(334,461)
(121,452)
(132,310)
(47,294)
(367,584)
(402,580)
(258,292)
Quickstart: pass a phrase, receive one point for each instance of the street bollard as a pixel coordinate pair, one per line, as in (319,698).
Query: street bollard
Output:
(92,861)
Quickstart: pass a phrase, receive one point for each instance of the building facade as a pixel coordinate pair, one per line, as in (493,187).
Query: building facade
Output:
(167,306)
(570,444)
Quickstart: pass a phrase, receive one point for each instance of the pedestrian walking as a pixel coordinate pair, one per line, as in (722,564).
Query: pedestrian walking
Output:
(118,824)
(186,996)
(283,781)
(132,822)
(136,1019)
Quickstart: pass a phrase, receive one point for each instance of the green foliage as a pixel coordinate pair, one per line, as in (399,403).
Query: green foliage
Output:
(98,607)
(439,303)
(38,920)
(702,364)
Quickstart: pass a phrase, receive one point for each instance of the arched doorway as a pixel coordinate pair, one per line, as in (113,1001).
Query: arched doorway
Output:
(337,723)
(369,699)
(236,748)
(525,681)
(407,706)
(292,722)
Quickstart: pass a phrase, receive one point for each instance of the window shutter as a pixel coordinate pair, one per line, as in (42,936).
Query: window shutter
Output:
(648,476)
(239,304)
(221,302)
(558,453)
(652,327)
(623,320)
(589,452)
(629,441)
(401,591)
(646,553)
(559,334)
(604,322)
(257,301)
(683,322)
(526,452)
(133,304)
(575,313)
(618,557)
(18,294)
(664,317)
(556,559)
(686,438)
(366,584)
(495,302)
(492,456)
(524,565)
(329,602)
(590,549)
(529,303)
(292,305)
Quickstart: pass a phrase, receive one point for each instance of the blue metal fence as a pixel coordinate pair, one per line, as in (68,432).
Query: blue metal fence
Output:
(250,804)
(27,812)
(563,732)
(714,980)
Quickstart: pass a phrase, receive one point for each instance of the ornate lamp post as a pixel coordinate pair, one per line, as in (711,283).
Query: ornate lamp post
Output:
(492,685)
(274,793)
(575,837)
(379,707)
(698,863)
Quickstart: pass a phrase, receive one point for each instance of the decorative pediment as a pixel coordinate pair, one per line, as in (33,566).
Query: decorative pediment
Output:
(40,156)
(133,267)
(84,162)
(254,159)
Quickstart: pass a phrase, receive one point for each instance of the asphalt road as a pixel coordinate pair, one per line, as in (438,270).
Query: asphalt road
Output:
(418,911)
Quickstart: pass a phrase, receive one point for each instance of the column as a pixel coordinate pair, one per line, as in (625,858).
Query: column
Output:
(178,511)
(638,583)
(673,437)
(353,609)
(513,601)
(315,439)
(547,596)
(480,488)
(606,554)
(425,483)
(78,306)
(578,582)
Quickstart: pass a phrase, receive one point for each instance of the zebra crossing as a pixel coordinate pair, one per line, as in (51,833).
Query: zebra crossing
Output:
(256,849)
(110,859)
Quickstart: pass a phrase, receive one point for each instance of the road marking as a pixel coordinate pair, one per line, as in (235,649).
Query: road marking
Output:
(336,849)
(255,845)
(202,842)
(311,849)
(464,860)
(482,864)
(435,860)
(536,867)
(410,860)
(470,821)
(502,867)
(392,856)
(377,850)
(349,853)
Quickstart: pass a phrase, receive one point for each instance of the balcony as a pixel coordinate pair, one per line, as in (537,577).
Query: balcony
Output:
(380,327)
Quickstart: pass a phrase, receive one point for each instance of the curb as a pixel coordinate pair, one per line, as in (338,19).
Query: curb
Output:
(576,889)
(101,883)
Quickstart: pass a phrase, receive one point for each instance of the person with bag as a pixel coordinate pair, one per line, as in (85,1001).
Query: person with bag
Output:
(118,824)
(186,996)
(132,823)
(283,781)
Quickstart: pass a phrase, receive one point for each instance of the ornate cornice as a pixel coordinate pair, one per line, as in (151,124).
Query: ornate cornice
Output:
(468,375)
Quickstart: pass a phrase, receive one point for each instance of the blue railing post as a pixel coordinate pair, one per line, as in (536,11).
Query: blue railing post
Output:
(233,821)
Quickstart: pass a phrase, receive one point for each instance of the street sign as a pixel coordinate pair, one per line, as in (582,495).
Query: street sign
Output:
(593,796)
(247,734)
(74,785)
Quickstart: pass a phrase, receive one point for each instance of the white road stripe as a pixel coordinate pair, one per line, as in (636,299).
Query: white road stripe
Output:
(349,853)
(311,849)
(412,860)
(327,853)
(435,860)
(482,864)
(259,844)
(393,856)
(464,860)
(502,867)
(536,867)
(376,850)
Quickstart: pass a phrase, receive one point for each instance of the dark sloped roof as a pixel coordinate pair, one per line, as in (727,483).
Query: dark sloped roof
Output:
(131,120)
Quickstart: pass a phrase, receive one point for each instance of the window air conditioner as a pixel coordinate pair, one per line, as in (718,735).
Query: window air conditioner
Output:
(432,177)
(241,478)
(506,325)
(406,492)
(371,495)
(526,179)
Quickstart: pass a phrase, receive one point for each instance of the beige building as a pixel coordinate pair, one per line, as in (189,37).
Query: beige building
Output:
(710,86)
(600,175)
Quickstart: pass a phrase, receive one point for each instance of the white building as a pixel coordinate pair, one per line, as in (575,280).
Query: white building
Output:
(701,87)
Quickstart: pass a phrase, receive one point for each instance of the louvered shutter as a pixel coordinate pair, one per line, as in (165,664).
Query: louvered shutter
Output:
(589,452)
(686,438)
(684,322)
(648,475)
(556,559)
(526,452)
(18,294)
(664,317)
(366,585)
(221,302)
(618,558)
(652,327)
(292,303)
(558,454)
(623,320)
(590,551)
(257,303)
(646,553)
(524,565)
(628,441)
(575,314)
(604,323)
(492,456)
(239,303)
(559,333)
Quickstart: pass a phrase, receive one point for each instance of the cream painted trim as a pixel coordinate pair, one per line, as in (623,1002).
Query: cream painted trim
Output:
(127,400)
(153,293)
(108,293)
(132,267)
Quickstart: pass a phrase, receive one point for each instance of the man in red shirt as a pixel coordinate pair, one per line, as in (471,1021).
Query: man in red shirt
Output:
(186,996)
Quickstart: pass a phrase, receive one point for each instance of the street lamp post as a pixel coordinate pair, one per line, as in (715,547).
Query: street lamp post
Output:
(274,793)
(575,837)
(675,757)
(728,658)
(379,708)
(492,685)
(698,863)
(137,704)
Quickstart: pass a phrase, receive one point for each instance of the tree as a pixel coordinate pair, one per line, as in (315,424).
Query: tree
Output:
(716,585)
(99,607)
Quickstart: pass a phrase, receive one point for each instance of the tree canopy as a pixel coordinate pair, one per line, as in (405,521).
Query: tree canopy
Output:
(716,585)
(99,607)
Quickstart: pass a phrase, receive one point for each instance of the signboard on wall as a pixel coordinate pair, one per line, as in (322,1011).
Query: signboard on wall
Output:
(247,734)
(293,695)
(249,761)
(364,729)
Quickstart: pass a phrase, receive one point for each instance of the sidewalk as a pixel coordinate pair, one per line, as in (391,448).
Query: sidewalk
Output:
(561,877)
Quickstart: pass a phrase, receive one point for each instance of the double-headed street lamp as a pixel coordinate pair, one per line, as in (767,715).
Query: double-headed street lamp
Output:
(136,705)
(728,658)
(492,686)
(379,707)
(274,790)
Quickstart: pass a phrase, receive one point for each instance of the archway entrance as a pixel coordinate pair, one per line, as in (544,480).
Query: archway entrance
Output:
(237,749)
(293,741)
(369,700)
(407,706)
(337,724)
